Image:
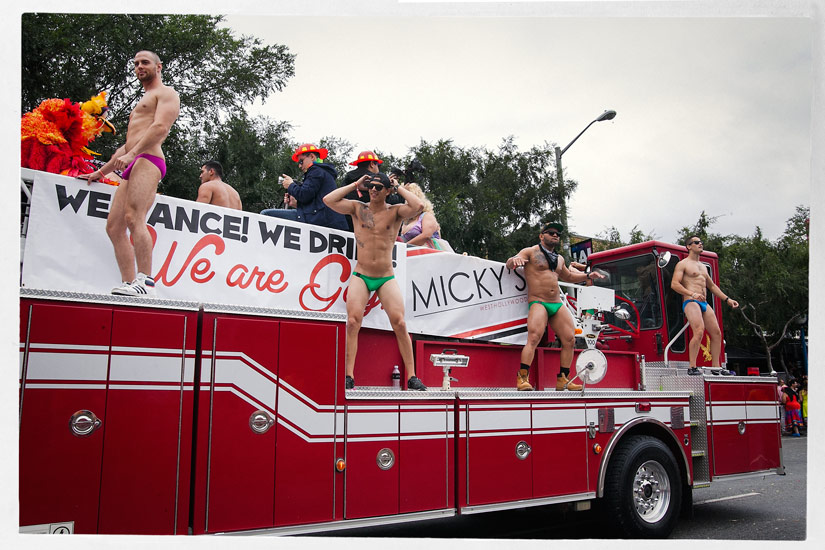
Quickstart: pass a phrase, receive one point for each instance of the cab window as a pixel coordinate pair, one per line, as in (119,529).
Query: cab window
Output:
(635,279)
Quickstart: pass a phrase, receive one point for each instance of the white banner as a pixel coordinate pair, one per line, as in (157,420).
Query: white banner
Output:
(205,253)
(465,297)
(202,253)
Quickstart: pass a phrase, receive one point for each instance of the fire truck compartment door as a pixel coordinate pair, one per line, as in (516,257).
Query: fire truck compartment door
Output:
(148,425)
(67,363)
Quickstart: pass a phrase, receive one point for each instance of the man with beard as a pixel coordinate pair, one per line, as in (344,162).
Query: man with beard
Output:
(376,226)
(143,165)
(543,268)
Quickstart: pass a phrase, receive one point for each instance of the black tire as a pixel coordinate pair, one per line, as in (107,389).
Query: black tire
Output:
(643,491)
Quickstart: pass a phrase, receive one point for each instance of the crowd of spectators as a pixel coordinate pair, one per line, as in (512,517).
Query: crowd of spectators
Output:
(792,394)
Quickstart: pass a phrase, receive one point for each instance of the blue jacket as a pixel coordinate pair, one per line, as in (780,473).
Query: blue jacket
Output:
(319,180)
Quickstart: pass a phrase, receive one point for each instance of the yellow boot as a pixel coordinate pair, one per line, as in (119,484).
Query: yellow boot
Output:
(523,382)
(562,383)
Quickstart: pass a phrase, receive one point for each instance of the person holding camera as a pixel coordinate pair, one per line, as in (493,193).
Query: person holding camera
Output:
(319,180)
(376,226)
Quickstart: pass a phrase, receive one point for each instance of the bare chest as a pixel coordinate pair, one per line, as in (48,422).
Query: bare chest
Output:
(539,269)
(379,222)
(144,112)
(695,270)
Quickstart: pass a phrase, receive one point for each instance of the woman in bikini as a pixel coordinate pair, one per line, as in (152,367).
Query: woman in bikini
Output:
(421,229)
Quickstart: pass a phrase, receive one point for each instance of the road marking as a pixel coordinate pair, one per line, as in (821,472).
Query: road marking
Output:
(725,498)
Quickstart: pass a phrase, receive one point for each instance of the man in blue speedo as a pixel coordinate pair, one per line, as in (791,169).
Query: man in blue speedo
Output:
(692,280)
(376,226)
(543,268)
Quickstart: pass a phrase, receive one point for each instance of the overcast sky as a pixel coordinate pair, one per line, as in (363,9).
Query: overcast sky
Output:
(714,113)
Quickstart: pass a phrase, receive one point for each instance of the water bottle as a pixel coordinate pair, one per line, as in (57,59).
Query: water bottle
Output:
(396,378)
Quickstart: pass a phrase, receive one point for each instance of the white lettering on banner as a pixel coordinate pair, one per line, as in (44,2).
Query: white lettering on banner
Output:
(205,253)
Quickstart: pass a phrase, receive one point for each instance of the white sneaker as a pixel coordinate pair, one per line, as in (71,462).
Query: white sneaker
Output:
(136,288)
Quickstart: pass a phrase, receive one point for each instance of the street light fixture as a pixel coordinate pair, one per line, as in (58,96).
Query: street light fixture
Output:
(607,115)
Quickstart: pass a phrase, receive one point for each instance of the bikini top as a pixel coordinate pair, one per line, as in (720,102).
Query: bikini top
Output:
(415,231)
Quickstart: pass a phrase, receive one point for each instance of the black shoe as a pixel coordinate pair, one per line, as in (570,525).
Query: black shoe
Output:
(349,383)
(693,370)
(726,372)
(415,384)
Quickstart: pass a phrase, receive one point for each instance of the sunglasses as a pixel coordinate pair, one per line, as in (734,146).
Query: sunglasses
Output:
(695,242)
(553,233)
(378,186)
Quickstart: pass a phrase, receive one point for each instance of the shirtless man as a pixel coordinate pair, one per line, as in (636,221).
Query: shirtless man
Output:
(143,165)
(542,269)
(691,279)
(213,190)
(376,225)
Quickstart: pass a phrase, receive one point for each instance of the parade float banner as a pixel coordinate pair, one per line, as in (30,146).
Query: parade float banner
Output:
(216,255)
(201,253)
(465,297)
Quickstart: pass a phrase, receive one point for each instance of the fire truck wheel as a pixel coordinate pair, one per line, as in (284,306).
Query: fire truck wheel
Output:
(643,492)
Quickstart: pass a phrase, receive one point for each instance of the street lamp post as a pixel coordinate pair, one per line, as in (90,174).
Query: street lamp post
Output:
(607,115)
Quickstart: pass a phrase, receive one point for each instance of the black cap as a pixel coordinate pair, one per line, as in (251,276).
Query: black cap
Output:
(552,225)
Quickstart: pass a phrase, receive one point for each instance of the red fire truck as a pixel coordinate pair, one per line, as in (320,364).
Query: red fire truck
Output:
(160,416)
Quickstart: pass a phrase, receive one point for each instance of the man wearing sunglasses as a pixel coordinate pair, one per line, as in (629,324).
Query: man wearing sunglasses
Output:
(365,164)
(376,226)
(543,268)
(692,280)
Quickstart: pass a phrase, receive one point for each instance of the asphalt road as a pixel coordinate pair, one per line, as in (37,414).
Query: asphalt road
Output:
(770,508)
(758,508)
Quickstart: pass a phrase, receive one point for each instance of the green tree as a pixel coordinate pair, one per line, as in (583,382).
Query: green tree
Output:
(253,153)
(215,73)
(611,237)
(489,203)
(711,241)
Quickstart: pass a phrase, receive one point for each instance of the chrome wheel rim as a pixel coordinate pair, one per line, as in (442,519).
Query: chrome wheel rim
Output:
(651,492)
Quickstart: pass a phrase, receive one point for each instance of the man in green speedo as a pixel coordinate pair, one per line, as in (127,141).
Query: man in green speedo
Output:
(543,268)
(376,226)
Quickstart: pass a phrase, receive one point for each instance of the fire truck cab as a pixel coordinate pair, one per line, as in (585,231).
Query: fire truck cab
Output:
(640,275)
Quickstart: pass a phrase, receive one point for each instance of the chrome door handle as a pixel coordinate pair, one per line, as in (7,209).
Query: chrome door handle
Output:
(260,422)
(84,423)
